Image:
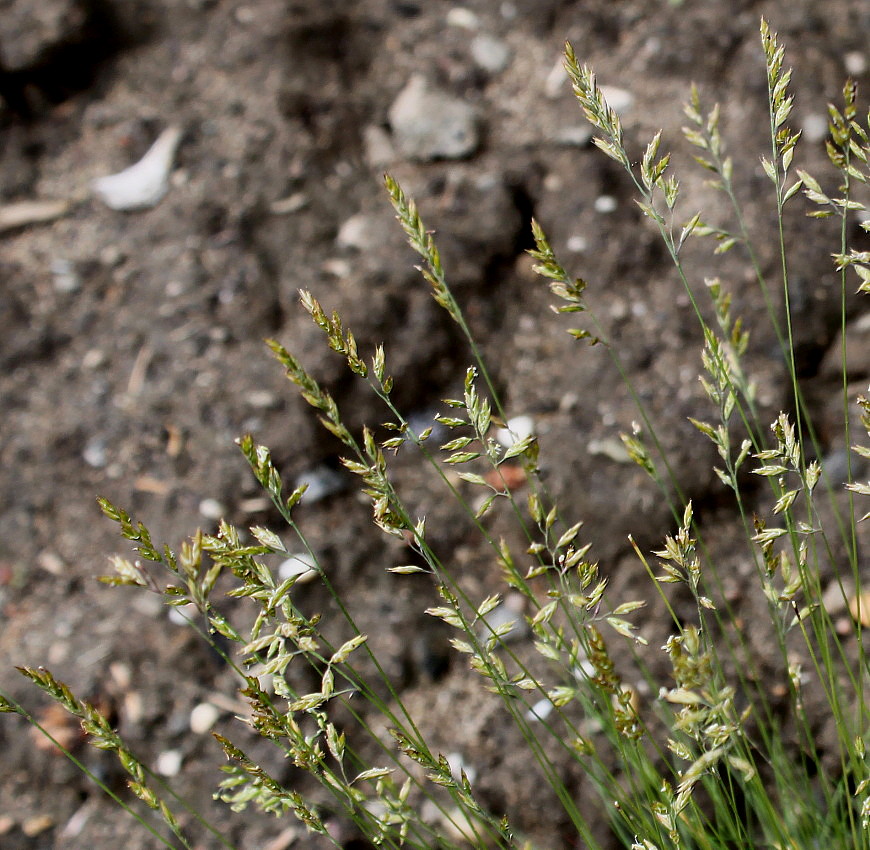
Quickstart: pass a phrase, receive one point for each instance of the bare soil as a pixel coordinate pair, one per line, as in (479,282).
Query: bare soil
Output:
(132,355)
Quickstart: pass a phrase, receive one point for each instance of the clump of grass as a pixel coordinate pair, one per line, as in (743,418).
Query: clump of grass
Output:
(710,761)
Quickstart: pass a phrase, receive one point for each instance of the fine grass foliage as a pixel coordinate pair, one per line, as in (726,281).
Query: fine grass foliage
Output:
(717,755)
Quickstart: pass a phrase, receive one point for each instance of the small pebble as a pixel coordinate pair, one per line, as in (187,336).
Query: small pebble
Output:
(51,562)
(212,509)
(419,421)
(541,710)
(356,232)
(322,482)
(855,62)
(577,244)
(203,717)
(168,763)
(619,100)
(300,566)
(37,825)
(507,475)
(518,428)
(337,267)
(379,150)
(133,707)
(94,453)
(815,127)
(833,599)
(112,256)
(94,358)
(181,615)
(121,675)
(509,611)
(556,80)
(458,764)
(261,399)
(245,15)
(573,136)
(553,182)
(490,54)
(463,18)
(430,124)
(255,505)
(610,448)
(605,204)
(66,279)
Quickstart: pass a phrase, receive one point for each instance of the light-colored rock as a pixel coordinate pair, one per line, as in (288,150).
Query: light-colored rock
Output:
(300,566)
(619,100)
(144,183)
(855,62)
(379,150)
(212,509)
(322,482)
(605,204)
(168,763)
(66,278)
(431,124)
(573,136)
(203,717)
(814,127)
(462,18)
(356,232)
(518,428)
(541,710)
(30,30)
(490,54)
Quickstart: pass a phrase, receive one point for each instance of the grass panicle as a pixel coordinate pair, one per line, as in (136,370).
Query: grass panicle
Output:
(691,743)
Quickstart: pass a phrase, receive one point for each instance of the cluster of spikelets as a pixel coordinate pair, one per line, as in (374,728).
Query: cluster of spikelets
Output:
(720,774)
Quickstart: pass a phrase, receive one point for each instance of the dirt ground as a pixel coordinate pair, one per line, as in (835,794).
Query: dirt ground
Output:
(131,342)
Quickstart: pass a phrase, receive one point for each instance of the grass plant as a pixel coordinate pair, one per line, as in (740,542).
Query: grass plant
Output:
(711,760)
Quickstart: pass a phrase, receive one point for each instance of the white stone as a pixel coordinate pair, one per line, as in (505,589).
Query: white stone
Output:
(509,615)
(541,710)
(577,244)
(66,278)
(203,717)
(619,100)
(212,509)
(322,482)
(556,79)
(518,428)
(814,127)
(463,18)
(379,150)
(490,53)
(431,124)
(169,763)
(855,62)
(605,204)
(575,135)
(181,615)
(94,453)
(300,566)
(458,764)
(144,183)
(356,232)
